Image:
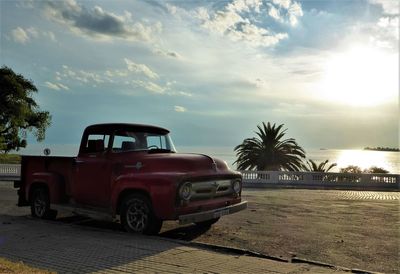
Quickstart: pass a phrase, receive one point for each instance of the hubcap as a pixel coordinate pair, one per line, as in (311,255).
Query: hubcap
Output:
(137,215)
(40,205)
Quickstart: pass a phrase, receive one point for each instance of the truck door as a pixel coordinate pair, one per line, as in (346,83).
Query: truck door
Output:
(93,172)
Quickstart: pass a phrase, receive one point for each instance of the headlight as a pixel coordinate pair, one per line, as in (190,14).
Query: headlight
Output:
(236,186)
(185,191)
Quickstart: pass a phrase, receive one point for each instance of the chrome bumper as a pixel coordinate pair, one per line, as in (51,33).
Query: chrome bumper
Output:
(211,214)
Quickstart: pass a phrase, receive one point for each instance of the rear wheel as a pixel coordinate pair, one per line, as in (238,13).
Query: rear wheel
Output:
(207,223)
(40,204)
(137,215)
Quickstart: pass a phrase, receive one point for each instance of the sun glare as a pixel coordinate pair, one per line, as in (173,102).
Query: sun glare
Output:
(361,76)
(363,159)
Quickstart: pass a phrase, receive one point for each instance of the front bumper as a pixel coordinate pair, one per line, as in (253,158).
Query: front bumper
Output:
(211,214)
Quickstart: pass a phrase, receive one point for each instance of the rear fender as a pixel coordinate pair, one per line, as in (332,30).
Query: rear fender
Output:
(54,183)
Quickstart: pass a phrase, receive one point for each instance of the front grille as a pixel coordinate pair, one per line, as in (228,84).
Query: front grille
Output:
(211,189)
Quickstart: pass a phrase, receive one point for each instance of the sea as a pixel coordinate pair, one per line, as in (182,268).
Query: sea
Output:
(343,157)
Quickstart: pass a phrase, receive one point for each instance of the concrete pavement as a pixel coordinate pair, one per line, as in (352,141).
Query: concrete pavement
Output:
(66,247)
(69,248)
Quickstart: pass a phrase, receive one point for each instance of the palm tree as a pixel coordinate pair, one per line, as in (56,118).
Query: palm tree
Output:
(269,151)
(321,167)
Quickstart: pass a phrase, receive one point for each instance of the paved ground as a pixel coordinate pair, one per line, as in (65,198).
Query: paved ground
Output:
(75,249)
(354,229)
(70,248)
(366,195)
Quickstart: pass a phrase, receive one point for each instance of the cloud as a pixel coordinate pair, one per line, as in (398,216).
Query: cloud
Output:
(50,35)
(26,4)
(274,13)
(140,68)
(98,23)
(389,6)
(24,36)
(255,36)
(19,35)
(166,53)
(82,76)
(387,32)
(180,109)
(241,20)
(295,11)
(56,86)
(150,86)
(285,11)
(121,77)
(383,33)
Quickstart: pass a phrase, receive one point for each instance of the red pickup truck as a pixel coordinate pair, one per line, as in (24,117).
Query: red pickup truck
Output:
(132,173)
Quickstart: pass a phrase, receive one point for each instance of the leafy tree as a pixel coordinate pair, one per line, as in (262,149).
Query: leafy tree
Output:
(19,112)
(269,151)
(375,169)
(321,167)
(351,169)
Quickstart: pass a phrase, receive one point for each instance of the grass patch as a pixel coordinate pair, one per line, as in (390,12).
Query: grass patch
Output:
(10,158)
(7,266)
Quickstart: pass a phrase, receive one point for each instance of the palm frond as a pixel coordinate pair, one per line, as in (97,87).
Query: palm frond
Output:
(269,151)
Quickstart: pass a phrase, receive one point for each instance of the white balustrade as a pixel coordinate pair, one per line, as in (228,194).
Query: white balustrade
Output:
(253,178)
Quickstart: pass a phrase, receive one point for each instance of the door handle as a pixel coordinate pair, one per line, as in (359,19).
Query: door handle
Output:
(78,161)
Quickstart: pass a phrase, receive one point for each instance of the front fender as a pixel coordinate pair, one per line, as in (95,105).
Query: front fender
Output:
(160,189)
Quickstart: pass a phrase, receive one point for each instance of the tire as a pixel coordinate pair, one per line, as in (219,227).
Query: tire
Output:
(40,204)
(137,215)
(207,223)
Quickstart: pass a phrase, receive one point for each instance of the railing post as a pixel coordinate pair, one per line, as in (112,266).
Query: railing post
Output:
(308,178)
(366,178)
(274,175)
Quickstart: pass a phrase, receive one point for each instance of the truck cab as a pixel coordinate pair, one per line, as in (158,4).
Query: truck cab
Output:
(133,173)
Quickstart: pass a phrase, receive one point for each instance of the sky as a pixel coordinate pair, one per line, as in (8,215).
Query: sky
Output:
(211,71)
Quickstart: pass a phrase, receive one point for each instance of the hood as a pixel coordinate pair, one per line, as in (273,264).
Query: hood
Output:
(166,162)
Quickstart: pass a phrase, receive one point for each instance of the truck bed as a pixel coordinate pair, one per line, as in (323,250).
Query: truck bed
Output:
(62,166)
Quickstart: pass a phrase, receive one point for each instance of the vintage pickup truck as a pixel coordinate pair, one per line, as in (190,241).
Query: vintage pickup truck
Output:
(131,173)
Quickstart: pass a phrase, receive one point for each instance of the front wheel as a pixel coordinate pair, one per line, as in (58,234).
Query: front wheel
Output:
(137,215)
(207,223)
(40,204)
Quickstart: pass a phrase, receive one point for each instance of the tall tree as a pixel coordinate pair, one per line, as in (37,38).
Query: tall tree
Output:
(19,112)
(321,167)
(269,151)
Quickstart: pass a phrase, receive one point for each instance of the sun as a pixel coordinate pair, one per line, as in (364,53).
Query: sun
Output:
(360,76)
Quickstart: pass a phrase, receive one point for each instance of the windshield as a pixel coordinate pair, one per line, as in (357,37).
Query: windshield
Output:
(139,141)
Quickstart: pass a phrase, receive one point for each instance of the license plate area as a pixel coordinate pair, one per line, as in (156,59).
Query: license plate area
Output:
(221,213)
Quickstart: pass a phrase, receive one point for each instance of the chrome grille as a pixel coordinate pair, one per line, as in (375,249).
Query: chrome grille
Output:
(211,189)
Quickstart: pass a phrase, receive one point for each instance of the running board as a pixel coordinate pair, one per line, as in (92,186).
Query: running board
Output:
(94,213)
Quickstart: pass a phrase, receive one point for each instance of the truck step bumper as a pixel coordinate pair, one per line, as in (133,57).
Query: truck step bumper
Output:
(211,214)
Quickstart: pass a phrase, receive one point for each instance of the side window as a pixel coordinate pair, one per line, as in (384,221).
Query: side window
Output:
(156,141)
(97,143)
(124,142)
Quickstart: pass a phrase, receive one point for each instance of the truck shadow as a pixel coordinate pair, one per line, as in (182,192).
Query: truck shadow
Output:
(185,233)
